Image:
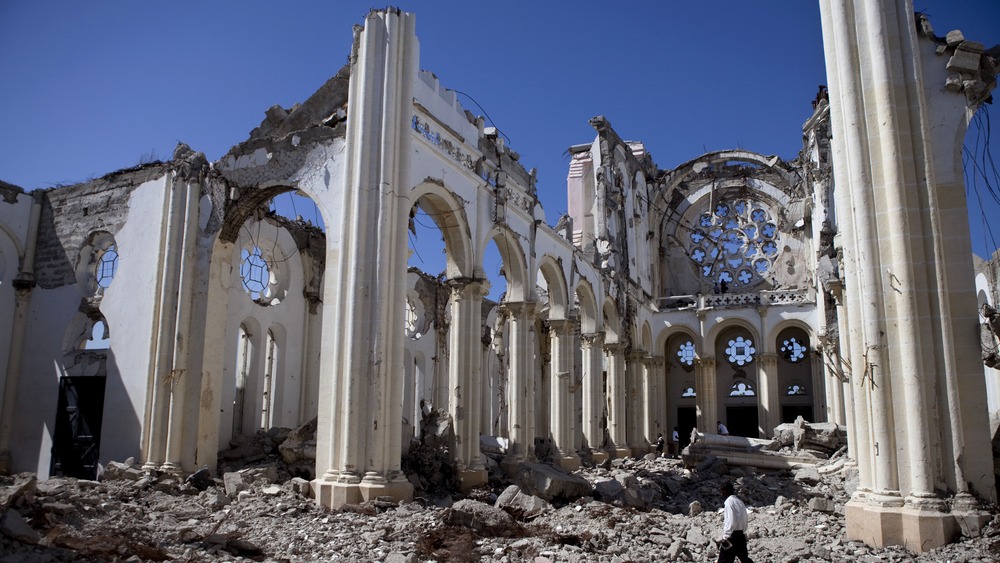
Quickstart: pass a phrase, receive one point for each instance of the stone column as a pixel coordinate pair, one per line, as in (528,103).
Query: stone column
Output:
(769,396)
(617,429)
(465,378)
(634,403)
(707,401)
(521,383)
(592,345)
(655,424)
(899,110)
(562,380)
(358,430)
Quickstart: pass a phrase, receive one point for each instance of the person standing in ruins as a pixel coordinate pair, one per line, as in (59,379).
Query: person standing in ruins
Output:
(659,444)
(722,428)
(675,442)
(734,526)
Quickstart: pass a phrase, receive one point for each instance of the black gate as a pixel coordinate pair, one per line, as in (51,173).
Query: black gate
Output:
(76,445)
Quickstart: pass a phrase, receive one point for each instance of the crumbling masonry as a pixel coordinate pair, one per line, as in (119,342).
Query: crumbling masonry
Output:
(161,311)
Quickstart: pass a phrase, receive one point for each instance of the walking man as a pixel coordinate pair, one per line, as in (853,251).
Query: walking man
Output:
(734,526)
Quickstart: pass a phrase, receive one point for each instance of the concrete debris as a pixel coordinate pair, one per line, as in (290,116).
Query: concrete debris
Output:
(794,516)
(550,483)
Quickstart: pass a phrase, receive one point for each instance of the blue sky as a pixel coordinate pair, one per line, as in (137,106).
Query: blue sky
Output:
(91,87)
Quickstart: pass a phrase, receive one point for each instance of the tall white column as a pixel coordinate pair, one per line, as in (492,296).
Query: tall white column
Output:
(898,111)
(634,404)
(521,382)
(358,433)
(562,380)
(593,393)
(769,396)
(465,378)
(617,421)
(707,402)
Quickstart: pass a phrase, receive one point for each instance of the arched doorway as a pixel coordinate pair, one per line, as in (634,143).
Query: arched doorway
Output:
(736,377)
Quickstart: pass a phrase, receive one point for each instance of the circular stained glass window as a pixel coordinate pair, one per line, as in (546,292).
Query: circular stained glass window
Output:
(685,354)
(740,351)
(255,273)
(736,241)
(793,350)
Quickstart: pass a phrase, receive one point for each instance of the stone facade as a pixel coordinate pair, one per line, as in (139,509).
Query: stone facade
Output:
(160,312)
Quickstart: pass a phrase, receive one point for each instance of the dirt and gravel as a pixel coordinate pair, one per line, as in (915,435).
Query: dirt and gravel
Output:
(650,509)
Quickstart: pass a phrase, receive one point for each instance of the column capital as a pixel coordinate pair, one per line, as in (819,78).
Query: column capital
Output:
(768,359)
(614,347)
(706,362)
(655,361)
(638,356)
(516,308)
(467,287)
(592,340)
(562,326)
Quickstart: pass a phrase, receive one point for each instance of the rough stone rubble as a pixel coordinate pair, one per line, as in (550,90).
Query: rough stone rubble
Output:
(260,509)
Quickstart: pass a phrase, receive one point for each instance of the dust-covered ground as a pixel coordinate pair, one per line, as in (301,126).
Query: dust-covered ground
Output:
(653,509)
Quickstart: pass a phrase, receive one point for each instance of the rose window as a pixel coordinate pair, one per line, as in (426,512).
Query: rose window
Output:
(795,389)
(685,353)
(735,242)
(793,350)
(255,273)
(740,351)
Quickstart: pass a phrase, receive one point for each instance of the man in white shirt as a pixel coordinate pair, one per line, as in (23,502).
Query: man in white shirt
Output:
(722,428)
(734,525)
(675,441)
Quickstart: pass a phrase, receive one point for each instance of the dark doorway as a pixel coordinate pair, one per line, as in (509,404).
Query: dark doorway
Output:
(790,412)
(76,445)
(742,421)
(687,420)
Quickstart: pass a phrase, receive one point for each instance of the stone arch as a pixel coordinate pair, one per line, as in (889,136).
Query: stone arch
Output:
(612,324)
(551,271)
(238,211)
(514,263)
(589,317)
(646,337)
(719,328)
(448,213)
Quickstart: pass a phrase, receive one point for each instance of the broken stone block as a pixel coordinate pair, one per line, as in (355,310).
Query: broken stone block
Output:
(478,516)
(26,483)
(520,504)
(301,486)
(821,505)
(13,525)
(550,483)
(234,483)
(674,551)
(116,471)
(964,61)
(608,490)
(694,509)
(954,37)
(271,490)
(696,536)
(808,476)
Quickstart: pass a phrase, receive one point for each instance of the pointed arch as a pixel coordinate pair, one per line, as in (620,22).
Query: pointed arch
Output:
(448,213)
(514,262)
(589,317)
(552,272)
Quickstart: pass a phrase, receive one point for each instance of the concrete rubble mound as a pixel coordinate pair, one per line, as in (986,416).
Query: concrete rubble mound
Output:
(629,510)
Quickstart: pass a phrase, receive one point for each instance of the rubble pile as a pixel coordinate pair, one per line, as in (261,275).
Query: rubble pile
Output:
(649,509)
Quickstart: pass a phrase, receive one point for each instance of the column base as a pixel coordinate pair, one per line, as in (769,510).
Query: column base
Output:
(619,452)
(509,466)
(400,490)
(469,479)
(569,463)
(599,456)
(334,494)
(331,494)
(916,529)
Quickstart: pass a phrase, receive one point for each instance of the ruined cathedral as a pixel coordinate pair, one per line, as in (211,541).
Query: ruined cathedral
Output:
(159,312)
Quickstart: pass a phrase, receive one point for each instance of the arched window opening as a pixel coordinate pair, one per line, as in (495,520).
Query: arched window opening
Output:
(266,403)
(742,388)
(100,338)
(689,392)
(796,389)
(244,353)
(735,242)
